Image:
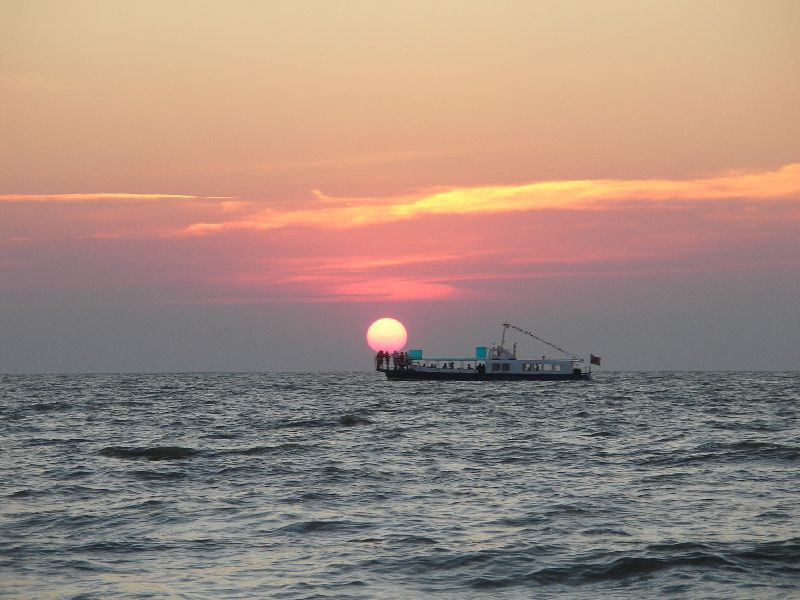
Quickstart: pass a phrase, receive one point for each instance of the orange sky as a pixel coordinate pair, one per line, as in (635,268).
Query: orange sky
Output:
(285,163)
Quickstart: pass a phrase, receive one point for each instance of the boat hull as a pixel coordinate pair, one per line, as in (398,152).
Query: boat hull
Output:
(459,375)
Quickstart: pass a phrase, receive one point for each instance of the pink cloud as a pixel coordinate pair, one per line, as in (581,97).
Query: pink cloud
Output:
(404,250)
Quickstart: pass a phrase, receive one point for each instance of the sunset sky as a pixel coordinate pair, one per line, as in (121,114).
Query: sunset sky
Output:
(248,185)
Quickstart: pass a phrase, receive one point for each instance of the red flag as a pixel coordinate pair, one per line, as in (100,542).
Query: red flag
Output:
(595,360)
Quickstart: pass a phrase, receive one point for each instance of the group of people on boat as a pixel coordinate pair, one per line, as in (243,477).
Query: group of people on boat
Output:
(399,360)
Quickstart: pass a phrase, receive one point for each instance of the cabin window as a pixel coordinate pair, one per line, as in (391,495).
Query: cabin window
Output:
(526,367)
(557,367)
(548,367)
(506,366)
(495,366)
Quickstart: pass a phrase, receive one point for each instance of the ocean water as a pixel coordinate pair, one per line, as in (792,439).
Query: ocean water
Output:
(634,485)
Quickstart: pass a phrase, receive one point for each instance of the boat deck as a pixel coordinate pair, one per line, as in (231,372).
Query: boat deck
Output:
(474,375)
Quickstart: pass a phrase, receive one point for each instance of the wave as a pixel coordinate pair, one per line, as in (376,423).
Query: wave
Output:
(397,540)
(522,521)
(743,451)
(783,551)
(257,450)
(760,558)
(604,433)
(414,540)
(756,449)
(319,526)
(55,441)
(27,493)
(122,547)
(746,426)
(315,495)
(150,453)
(633,567)
(348,420)
(522,495)
(221,436)
(158,475)
(50,406)
(466,401)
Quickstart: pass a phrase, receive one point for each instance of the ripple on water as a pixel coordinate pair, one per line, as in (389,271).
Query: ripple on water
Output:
(149,453)
(317,485)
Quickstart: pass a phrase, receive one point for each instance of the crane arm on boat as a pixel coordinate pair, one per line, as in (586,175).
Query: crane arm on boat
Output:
(536,337)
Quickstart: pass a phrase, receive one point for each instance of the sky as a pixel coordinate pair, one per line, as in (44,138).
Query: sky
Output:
(247,186)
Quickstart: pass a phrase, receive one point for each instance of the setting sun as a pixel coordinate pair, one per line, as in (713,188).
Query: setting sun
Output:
(387,334)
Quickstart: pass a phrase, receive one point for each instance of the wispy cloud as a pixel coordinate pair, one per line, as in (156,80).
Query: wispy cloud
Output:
(403,248)
(783,183)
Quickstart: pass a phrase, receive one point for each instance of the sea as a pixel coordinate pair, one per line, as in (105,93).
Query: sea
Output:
(345,485)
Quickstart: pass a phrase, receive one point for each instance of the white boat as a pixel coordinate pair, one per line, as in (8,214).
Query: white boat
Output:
(496,363)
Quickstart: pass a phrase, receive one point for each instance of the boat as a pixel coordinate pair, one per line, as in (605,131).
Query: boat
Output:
(495,363)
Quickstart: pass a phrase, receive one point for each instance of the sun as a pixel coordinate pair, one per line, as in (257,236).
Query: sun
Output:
(387,334)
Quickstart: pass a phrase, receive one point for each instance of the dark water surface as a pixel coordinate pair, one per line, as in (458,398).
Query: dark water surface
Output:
(345,485)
